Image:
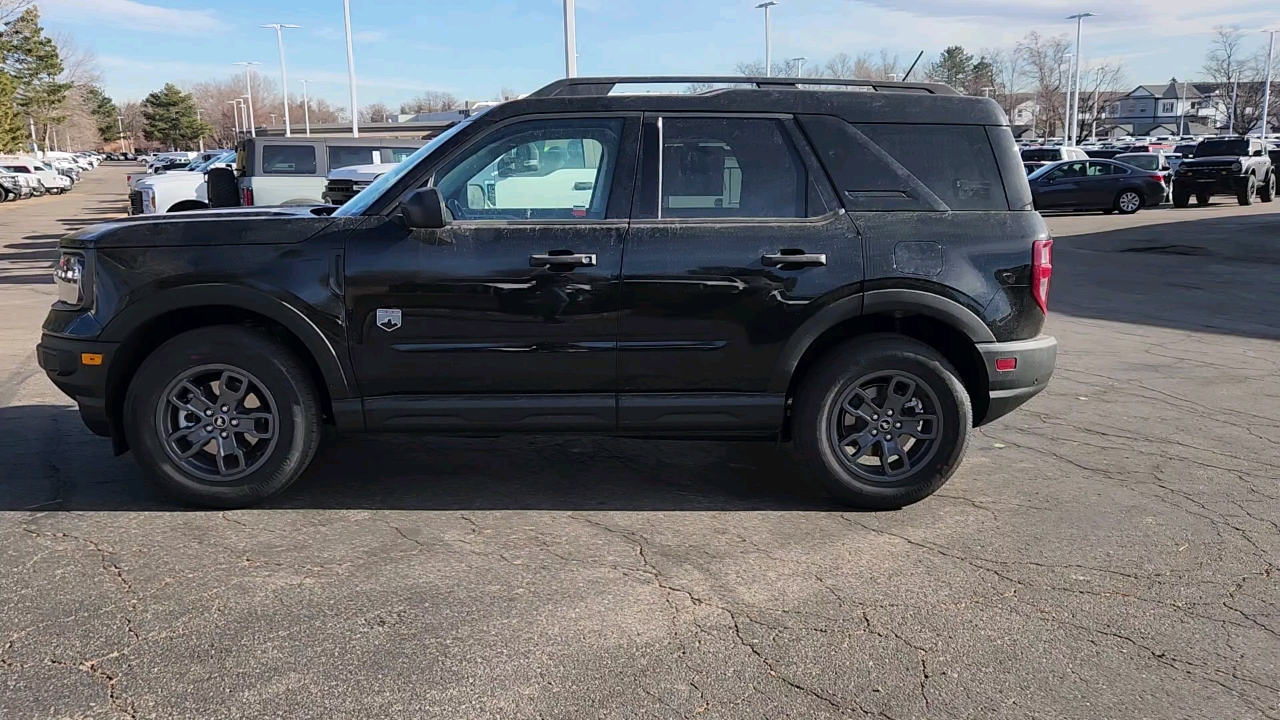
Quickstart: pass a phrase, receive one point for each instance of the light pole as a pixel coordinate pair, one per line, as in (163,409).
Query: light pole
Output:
(284,76)
(235,116)
(768,41)
(200,121)
(248,93)
(799,65)
(1231,120)
(1075,105)
(244,114)
(570,40)
(306,107)
(1066,104)
(1266,89)
(351,70)
(120,122)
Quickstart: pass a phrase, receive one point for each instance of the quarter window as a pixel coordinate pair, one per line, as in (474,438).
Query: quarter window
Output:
(733,167)
(955,162)
(288,160)
(538,170)
(347,156)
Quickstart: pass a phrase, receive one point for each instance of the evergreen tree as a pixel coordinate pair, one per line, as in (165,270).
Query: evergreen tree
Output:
(103,110)
(169,117)
(13,131)
(953,67)
(32,60)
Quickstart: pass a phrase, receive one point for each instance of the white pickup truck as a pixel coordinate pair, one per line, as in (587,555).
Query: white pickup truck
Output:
(54,183)
(176,191)
(345,183)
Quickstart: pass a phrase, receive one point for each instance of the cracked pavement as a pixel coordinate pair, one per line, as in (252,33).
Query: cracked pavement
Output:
(1110,550)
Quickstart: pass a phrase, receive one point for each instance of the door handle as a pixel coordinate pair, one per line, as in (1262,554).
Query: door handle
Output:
(563,258)
(795,258)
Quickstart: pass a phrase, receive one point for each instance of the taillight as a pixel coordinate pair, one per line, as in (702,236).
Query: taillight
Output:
(1041,271)
(246,196)
(1158,177)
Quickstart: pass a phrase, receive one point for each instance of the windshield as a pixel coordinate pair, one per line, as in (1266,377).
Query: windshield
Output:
(1219,148)
(1142,162)
(361,202)
(223,158)
(1042,155)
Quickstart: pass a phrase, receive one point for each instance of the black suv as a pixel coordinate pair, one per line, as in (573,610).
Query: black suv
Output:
(1225,166)
(860,273)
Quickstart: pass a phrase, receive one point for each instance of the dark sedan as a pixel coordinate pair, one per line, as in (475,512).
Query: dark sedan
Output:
(1095,185)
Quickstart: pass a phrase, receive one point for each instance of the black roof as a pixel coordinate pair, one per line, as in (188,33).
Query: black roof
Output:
(863,101)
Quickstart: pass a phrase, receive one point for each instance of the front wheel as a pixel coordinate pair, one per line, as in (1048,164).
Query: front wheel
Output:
(882,421)
(1181,196)
(222,417)
(1248,192)
(1128,202)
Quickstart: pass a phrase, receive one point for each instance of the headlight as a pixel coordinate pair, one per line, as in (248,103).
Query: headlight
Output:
(68,276)
(1237,167)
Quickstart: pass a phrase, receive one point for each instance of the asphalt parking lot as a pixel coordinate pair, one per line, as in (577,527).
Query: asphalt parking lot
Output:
(1110,551)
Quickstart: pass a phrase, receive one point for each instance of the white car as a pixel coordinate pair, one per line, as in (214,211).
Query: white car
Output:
(345,183)
(54,182)
(176,191)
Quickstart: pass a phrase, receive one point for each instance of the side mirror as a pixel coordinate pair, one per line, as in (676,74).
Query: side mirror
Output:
(424,210)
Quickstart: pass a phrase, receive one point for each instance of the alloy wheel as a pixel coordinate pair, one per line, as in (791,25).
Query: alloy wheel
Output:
(1130,202)
(885,426)
(218,422)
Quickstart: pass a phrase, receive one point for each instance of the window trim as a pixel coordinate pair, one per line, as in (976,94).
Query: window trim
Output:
(321,160)
(799,143)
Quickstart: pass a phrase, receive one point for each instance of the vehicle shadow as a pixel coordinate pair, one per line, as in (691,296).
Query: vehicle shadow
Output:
(1210,274)
(55,464)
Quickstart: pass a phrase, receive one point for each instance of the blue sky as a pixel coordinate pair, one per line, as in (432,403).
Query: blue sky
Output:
(474,48)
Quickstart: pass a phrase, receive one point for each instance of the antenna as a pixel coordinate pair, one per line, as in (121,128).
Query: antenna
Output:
(913,67)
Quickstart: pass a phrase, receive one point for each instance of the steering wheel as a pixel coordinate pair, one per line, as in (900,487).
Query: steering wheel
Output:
(455,209)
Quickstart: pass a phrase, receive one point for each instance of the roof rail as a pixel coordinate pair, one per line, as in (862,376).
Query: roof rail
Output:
(595,86)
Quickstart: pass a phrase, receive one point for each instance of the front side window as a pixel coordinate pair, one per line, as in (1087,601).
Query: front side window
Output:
(732,167)
(536,170)
(288,160)
(1069,170)
(18,169)
(1142,162)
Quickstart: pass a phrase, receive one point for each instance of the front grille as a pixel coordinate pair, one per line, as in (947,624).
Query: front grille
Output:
(135,202)
(338,192)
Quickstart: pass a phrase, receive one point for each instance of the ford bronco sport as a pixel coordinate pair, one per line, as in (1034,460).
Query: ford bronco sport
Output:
(858,273)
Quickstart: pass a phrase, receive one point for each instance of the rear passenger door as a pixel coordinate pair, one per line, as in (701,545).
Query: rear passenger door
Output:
(708,295)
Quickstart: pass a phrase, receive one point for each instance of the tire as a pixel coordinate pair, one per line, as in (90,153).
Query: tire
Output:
(1267,192)
(1202,199)
(1181,197)
(1248,192)
(223,188)
(1129,202)
(265,372)
(870,362)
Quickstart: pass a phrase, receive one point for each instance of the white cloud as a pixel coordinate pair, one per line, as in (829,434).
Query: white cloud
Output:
(360,36)
(131,14)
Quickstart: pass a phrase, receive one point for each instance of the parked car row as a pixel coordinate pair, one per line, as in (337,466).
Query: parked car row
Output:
(54,173)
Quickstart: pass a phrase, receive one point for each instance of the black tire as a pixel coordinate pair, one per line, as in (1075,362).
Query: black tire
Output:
(223,188)
(1202,199)
(819,416)
(1248,192)
(268,372)
(1267,192)
(1129,202)
(1181,197)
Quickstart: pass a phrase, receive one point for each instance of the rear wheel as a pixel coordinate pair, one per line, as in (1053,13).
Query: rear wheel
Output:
(222,417)
(1268,191)
(883,421)
(1128,202)
(1248,192)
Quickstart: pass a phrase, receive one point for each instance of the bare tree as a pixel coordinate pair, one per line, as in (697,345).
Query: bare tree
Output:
(377,112)
(10,9)
(1237,73)
(213,99)
(840,65)
(1045,69)
(1100,86)
(431,101)
(1008,77)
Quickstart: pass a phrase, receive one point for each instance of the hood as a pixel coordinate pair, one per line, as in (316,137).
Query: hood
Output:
(174,178)
(367,173)
(1213,160)
(226,226)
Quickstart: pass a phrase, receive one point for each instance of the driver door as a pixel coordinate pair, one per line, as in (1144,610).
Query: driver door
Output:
(1061,189)
(507,318)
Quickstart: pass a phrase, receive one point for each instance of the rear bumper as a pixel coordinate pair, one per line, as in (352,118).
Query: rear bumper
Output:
(1034,362)
(60,358)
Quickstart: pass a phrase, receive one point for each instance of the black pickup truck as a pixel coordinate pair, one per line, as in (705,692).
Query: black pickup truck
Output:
(860,273)
(1237,166)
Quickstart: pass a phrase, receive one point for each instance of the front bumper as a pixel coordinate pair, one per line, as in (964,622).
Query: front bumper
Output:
(1008,389)
(1214,185)
(61,359)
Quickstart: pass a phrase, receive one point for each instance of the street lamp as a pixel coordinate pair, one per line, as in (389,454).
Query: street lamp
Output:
(200,121)
(351,70)
(120,122)
(248,93)
(306,107)
(244,113)
(235,115)
(1066,103)
(284,77)
(570,39)
(1074,110)
(1266,89)
(768,45)
(799,61)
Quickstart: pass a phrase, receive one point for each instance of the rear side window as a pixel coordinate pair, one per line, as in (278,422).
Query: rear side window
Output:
(288,160)
(953,161)
(395,155)
(732,168)
(340,156)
